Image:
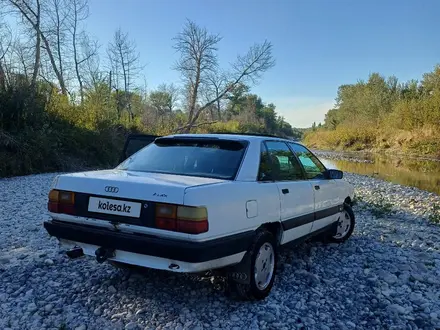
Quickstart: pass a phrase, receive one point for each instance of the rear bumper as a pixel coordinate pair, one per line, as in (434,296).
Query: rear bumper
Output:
(174,250)
(156,262)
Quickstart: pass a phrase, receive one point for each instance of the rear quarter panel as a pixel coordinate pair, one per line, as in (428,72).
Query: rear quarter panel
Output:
(226,204)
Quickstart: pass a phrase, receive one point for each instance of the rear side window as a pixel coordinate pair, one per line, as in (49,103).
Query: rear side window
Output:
(265,169)
(213,158)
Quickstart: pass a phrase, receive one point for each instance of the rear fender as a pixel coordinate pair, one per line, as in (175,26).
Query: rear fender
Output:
(241,273)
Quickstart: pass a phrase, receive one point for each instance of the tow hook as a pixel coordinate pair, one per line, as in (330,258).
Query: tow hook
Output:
(102,254)
(74,253)
(173,267)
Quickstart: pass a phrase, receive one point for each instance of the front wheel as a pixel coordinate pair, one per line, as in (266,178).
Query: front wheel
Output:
(263,262)
(344,226)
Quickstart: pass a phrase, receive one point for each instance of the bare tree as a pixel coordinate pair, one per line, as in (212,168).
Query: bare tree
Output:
(198,61)
(84,49)
(123,52)
(30,11)
(125,63)
(23,54)
(5,46)
(93,75)
(87,61)
(58,12)
(216,83)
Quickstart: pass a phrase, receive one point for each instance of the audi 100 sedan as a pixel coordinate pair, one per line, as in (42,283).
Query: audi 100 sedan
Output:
(198,202)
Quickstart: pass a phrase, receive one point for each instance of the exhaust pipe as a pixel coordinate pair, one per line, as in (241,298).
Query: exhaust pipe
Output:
(102,254)
(74,253)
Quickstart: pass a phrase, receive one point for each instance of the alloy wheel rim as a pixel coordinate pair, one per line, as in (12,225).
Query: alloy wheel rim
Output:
(264,266)
(344,224)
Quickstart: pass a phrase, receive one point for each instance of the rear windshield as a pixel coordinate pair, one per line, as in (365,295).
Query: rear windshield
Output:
(212,158)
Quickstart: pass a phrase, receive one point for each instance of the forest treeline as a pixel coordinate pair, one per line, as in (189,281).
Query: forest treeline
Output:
(65,106)
(383,114)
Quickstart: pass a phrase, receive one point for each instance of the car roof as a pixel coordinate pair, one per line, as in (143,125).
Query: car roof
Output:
(232,136)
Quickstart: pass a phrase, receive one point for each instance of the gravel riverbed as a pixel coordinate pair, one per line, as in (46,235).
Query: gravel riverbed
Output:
(387,276)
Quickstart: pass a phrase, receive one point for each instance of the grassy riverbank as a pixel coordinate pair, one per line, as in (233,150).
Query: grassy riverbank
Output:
(424,142)
(383,114)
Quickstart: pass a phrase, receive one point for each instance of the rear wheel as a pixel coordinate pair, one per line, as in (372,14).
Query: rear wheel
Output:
(344,226)
(263,261)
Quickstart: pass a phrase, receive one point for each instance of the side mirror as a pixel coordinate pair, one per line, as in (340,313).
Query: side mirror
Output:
(333,174)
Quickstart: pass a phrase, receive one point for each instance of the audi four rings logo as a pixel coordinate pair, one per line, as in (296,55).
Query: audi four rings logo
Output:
(111,189)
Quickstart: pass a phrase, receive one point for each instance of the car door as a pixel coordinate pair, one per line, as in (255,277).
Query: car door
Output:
(327,201)
(296,193)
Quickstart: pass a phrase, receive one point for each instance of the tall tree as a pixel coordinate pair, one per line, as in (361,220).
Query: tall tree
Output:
(84,49)
(125,62)
(58,12)
(5,47)
(216,83)
(198,59)
(30,11)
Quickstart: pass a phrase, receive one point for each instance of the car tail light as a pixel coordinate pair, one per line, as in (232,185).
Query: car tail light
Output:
(61,202)
(184,219)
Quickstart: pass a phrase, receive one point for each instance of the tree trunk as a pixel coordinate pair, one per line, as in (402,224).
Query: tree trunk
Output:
(2,78)
(36,26)
(54,65)
(60,60)
(193,96)
(37,46)
(75,55)
(219,114)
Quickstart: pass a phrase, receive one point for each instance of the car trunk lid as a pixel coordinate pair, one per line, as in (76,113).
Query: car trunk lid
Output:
(156,187)
(126,196)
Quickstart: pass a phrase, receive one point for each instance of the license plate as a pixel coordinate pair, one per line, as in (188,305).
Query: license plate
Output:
(116,207)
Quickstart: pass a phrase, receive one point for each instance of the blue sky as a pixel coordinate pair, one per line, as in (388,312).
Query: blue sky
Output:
(318,45)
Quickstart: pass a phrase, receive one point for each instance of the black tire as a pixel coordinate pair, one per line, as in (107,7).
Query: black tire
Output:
(348,212)
(251,291)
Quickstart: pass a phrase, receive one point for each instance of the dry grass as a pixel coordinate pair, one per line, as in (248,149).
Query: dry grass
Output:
(424,141)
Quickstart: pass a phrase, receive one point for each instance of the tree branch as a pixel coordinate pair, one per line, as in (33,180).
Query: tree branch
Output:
(182,128)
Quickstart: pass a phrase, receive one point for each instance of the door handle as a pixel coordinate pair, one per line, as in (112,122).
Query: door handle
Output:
(317,187)
(285,191)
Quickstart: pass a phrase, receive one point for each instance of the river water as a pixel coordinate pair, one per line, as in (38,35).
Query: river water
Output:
(415,172)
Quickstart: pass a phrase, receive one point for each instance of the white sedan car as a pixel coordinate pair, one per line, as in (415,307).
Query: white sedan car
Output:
(198,202)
